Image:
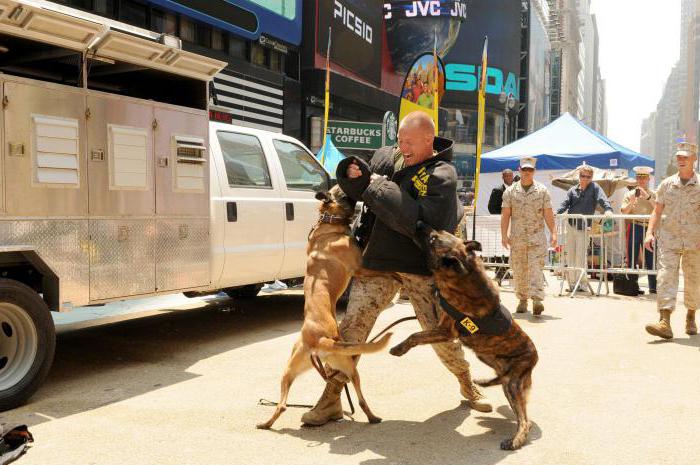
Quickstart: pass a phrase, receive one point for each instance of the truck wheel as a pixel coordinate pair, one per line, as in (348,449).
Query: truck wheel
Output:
(244,292)
(27,342)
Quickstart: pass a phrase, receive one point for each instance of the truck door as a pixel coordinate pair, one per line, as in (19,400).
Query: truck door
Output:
(303,177)
(121,197)
(45,151)
(251,208)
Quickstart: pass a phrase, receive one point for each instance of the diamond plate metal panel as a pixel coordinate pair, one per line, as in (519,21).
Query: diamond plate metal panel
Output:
(182,254)
(63,244)
(122,258)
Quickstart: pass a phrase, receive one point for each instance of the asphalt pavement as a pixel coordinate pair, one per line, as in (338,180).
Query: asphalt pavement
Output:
(183,387)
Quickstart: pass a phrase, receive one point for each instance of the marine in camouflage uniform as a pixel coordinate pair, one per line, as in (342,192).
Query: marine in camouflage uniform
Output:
(678,199)
(527,206)
(399,188)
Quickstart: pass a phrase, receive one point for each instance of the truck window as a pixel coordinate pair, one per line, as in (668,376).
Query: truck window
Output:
(244,159)
(301,170)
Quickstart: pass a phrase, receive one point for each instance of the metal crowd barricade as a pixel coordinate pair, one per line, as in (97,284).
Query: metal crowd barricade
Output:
(494,255)
(602,245)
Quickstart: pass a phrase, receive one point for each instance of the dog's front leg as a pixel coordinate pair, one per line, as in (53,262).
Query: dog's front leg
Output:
(430,336)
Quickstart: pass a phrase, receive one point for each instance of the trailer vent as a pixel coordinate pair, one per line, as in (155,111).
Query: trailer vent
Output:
(190,157)
(55,150)
(128,158)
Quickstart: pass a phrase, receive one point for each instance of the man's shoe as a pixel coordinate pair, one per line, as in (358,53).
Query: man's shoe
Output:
(652,291)
(522,307)
(328,406)
(691,328)
(663,327)
(474,397)
(537,307)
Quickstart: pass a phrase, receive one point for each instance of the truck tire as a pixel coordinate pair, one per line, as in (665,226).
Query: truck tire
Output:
(27,342)
(244,292)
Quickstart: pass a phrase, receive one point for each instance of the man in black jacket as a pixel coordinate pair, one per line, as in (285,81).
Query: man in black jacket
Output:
(496,198)
(401,186)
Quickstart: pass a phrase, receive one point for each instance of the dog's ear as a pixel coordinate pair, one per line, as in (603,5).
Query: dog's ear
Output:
(473,246)
(323,197)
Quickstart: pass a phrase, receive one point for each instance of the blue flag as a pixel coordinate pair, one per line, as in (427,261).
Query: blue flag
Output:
(332,156)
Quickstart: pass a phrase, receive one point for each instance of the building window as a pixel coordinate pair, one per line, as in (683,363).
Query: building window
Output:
(134,13)
(237,47)
(218,40)
(186,30)
(276,61)
(291,65)
(162,22)
(258,55)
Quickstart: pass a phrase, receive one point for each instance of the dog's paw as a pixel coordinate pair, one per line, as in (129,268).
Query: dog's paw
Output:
(509,444)
(375,420)
(263,426)
(398,350)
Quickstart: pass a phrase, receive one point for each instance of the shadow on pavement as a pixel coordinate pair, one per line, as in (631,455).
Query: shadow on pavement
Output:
(534,319)
(690,341)
(419,442)
(107,364)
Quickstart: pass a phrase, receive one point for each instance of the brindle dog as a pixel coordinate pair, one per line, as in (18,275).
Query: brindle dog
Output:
(462,281)
(333,258)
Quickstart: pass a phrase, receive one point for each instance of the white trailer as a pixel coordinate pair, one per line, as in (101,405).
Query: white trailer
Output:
(113,183)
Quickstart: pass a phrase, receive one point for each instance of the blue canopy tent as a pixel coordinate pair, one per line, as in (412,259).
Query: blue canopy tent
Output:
(558,147)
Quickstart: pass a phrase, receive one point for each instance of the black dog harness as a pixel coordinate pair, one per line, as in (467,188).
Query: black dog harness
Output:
(496,323)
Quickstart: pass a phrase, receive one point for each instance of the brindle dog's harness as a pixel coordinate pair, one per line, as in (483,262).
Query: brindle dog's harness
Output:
(496,323)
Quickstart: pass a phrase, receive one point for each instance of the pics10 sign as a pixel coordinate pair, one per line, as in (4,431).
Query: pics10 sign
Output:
(430,9)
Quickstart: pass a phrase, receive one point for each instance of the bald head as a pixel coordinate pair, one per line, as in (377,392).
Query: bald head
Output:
(416,137)
(418,120)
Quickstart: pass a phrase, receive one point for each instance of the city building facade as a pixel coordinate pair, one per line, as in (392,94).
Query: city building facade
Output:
(259,39)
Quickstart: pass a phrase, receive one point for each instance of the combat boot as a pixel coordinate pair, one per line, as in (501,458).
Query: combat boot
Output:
(471,392)
(537,307)
(522,307)
(663,327)
(690,328)
(328,406)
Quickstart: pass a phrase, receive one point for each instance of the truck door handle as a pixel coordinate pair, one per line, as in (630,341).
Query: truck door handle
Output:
(289,209)
(231,212)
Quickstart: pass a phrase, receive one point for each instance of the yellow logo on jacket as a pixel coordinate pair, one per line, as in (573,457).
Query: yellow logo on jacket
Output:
(420,181)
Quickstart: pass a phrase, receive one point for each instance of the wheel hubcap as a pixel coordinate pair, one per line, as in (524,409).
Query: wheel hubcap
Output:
(18,344)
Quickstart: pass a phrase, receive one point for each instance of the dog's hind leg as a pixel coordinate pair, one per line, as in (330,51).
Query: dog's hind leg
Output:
(489,382)
(355,378)
(299,362)
(516,390)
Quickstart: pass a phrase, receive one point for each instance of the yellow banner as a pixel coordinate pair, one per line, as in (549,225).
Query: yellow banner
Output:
(424,82)
(327,98)
(481,118)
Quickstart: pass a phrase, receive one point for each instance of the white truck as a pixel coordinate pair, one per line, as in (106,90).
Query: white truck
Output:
(114,184)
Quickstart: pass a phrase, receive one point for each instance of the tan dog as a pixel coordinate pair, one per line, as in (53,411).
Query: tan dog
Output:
(333,258)
(484,325)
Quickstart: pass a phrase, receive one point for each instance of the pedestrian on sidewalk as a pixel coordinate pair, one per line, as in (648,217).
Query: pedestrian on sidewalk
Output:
(401,186)
(581,199)
(640,201)
(527,207)
(678,200)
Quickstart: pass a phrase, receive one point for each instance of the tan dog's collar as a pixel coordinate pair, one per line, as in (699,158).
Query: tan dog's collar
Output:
(333,219)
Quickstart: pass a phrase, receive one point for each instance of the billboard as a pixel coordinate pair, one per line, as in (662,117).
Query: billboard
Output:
(356,35)
(500,21)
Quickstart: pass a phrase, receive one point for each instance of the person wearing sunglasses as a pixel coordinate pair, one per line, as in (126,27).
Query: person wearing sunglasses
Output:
(582,199)
(527,207)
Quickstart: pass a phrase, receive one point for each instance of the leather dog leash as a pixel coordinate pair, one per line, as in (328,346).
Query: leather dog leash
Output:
(318,365)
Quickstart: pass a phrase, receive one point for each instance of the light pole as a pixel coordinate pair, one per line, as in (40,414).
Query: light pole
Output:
(508,101)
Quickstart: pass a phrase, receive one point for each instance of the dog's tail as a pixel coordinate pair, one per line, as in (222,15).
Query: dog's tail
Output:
(331,346)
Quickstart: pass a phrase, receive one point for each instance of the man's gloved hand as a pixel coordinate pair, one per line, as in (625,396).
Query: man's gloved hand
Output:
(353,175)
(608,213)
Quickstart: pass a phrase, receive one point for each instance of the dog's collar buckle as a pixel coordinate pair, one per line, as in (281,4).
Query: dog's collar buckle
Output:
(326,217)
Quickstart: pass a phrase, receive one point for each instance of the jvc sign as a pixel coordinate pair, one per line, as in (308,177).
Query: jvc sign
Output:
(354,135)
(425,9)
(465,78)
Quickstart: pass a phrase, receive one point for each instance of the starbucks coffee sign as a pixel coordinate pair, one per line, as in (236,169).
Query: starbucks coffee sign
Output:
(356,135)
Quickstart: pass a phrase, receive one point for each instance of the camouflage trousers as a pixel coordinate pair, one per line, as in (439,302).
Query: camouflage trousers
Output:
(371,295)
(667,280)
(527,263)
